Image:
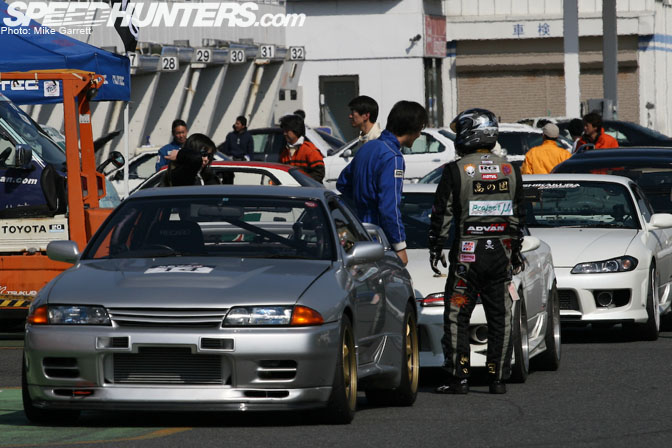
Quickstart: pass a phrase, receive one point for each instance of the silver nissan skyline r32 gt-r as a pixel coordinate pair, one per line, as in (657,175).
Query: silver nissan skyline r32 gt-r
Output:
(223,298)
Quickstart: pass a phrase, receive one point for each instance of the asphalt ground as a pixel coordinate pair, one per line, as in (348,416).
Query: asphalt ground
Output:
(610,391)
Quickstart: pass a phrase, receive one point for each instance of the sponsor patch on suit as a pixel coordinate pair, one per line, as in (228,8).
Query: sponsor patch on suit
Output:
(399,174)
(483,187)
(478,228)
(491,208)
(490,169)
(468,247)
(467,258)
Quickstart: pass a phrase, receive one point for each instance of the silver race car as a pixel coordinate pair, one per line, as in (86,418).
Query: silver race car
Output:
(223,298)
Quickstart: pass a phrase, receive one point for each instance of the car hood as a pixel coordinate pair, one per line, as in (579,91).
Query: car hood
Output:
(222,282)
(571,246)
(424,281)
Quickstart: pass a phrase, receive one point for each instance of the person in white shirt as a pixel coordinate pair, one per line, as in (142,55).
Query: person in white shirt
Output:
(363,115)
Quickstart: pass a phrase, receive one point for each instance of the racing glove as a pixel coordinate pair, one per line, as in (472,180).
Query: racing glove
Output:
(436,255)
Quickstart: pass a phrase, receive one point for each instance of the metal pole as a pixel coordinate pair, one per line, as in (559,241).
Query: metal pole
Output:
(572,67)
(126,150)
(610,57)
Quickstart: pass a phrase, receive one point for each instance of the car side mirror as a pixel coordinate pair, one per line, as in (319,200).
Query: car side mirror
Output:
(115,158)
(530,243)
(364,252)
(346,153)
(377,235)
(18,157)
(63,250)
(660,221)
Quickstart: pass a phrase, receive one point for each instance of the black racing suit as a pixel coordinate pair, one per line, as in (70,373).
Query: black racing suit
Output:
(481,194)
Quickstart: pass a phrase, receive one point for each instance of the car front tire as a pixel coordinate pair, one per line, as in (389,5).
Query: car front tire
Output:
(521,345)
(343,399)
(649,330)
(550,358)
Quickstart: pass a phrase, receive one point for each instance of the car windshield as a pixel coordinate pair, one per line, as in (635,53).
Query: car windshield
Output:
(580,204)
(416,212)
(17,126)
(223,226)
(655,181)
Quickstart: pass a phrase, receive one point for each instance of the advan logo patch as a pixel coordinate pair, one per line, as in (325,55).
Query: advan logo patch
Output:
(484,228)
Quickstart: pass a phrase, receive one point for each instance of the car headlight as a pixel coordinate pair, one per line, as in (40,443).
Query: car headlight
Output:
(69,315)
(620,264)
(251,316)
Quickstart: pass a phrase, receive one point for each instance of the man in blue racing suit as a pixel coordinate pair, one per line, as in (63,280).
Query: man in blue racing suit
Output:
(372,182)
(481,196)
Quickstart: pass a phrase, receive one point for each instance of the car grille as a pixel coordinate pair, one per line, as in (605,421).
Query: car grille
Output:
(568,300)
(167,365)
(166,317)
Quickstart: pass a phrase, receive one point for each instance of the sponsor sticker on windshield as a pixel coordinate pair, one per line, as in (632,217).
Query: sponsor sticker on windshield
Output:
(180,268)
(491,208)
(552,185)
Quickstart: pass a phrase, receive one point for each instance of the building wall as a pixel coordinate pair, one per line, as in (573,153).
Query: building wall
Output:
(368,39)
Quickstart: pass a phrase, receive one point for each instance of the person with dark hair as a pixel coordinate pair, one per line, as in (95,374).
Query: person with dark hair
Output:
(299,151)
(373,181)
(543,158)
(169,151)
(594,134)
(239,144)
(363,115)
(192,165)
(301,113)
(575,129)
(481,197)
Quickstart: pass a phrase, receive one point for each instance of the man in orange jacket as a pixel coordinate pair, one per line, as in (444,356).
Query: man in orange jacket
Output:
(593,133)
(543,158)
(299,151)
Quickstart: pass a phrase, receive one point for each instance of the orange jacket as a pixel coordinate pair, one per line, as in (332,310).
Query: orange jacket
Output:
(543,158)
(603,141)
(308,158)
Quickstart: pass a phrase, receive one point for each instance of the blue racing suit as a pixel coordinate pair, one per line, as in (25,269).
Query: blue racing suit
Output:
(372,184)
(163,152)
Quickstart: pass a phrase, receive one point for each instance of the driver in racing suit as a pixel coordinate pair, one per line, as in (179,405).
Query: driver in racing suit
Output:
(481,195)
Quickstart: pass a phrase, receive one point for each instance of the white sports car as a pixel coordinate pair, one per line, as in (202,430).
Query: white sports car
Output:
(536,316)
(612,254)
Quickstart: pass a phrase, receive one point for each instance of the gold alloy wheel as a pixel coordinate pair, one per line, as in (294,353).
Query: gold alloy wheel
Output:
(349,368)
(412,353)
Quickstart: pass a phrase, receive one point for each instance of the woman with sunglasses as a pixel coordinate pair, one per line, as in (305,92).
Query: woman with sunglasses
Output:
(192,166)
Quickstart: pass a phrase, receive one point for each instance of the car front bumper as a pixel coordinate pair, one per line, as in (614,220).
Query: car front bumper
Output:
(91,367)
(578,296)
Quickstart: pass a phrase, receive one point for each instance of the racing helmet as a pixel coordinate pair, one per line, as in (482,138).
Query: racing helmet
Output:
(475,129)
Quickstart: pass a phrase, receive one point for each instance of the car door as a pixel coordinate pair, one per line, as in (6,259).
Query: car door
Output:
(425,155)
(366,285)
(660,243)
(534,288)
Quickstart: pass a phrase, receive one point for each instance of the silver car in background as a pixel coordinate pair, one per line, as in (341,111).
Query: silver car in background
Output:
(223,298)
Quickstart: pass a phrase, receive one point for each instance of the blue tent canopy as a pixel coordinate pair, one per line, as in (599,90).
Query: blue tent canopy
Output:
(28,48)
